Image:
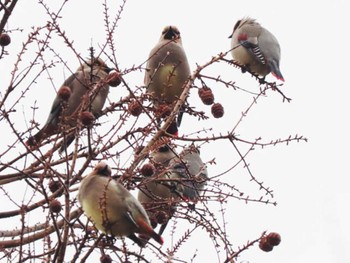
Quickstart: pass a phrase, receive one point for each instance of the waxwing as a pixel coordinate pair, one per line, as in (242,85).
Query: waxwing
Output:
(156,188)
(191,171)
(183,178)
(156,193)
(112,208)
(167,71)
(65,107)
(256,48)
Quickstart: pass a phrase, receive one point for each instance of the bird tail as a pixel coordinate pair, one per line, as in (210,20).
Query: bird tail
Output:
(33,141)
(43,133)
(148,230)
(275,70)
(157,237)
(173,129)
(69,139)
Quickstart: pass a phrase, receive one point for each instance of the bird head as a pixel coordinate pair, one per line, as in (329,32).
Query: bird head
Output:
(102,169)
(171,33)
(95,64)
(241,22)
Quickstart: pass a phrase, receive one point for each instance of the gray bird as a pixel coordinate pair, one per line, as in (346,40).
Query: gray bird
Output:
(167,71)
(191,172)
(112,208)
(256,48)
(65,107)
(183,178)
(156,188)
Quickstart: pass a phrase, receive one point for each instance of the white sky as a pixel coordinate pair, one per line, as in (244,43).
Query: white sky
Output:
(310,180)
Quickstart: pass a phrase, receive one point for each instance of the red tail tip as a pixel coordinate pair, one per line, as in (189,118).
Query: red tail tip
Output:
(279,77)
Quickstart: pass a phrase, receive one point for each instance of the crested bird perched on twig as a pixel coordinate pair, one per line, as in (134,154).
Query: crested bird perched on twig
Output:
(112,208)
(167,72)
(183,179)
(256,48)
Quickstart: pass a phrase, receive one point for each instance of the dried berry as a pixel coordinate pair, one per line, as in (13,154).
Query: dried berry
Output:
(54,185)
(87,118)
(114,79)
(139,149)
(162,217)
(206,95)
(64,93)
(5,39)
(264,245)
(147,170)
(105,259)
(134,108)
(163,110)
(274,239)
(55,206)
(217,110)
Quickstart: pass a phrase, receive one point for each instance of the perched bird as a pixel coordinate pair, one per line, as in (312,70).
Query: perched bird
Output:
(157,193)
(156,188)
(183,178)
(112,208)
(191,171)
(65,107)
(167,71)
(256,48)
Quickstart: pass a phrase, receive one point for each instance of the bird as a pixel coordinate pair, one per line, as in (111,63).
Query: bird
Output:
(167,71)
(156,193)
(191,171)
(112,208)
(66,105)
(256,48)
(155,188)
(182,178)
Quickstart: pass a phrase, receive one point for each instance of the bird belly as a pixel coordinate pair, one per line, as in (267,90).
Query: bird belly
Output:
(95,215)
(166,84)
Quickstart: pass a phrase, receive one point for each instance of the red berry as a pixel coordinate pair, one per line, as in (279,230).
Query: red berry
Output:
(105,259)
(5,39)
(87,118)
(134,108)
(162,217)
(147,170)
(264,245)
(163,110)
(206,95)
(114,79)
(217,110)
(64,93)
(274,239)
(55,206)
(54,185)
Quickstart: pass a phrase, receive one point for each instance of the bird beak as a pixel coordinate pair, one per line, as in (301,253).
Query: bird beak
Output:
(105,170)
(230,36)
(170,34)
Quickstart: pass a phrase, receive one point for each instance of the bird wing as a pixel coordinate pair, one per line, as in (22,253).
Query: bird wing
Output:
(254,49)
(56,107)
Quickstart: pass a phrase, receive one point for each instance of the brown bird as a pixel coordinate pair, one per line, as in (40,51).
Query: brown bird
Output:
(112,208)
(183,178)
(167,71)
(65,107)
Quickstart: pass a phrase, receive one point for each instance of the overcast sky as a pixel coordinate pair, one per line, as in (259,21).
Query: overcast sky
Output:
(310,180)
